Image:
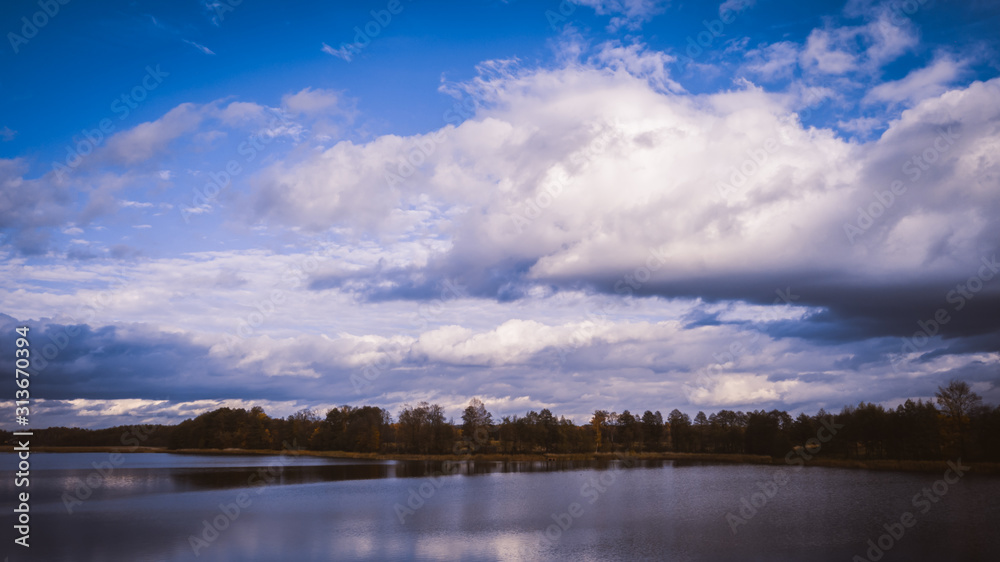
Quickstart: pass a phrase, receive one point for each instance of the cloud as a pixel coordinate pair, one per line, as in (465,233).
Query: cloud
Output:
(555,184)
(736,6)
(919,84)
(6,134)
(836,51)
(200,47)
(639,61)
(30,207)
(863,126)
(629,14)
(887,41)
(107,372)
(608,230)
(136,204)
(345,52)
(774,61)
(312,102)
(824,52)
(143,141)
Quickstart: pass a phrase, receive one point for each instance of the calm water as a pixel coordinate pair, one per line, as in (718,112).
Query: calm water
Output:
(148,507)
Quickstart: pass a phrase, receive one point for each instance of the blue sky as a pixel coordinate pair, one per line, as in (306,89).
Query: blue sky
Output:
(584,204)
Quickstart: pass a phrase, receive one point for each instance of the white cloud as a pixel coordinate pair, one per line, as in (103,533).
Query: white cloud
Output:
(310,102)
(200,47)
(622,157)
(888,41)
(736,6)
(345,52)
(136,204)
(824,52)
(919,84)
(736,389)
(147,139)
(863,126)
(841,50)
(639,61)
(774,61)
(629,14)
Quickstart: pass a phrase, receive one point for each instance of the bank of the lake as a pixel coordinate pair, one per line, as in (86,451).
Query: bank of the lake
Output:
(265,507)
(983,468)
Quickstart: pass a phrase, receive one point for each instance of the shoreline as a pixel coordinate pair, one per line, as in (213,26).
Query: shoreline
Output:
(982,468)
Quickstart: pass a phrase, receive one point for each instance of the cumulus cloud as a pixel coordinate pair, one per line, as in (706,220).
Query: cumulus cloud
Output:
(568,188)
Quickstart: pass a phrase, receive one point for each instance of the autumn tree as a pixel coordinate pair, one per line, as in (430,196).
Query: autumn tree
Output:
(958,402)
(476,421)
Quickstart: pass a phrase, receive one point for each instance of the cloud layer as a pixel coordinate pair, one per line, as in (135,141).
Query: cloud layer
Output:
(596,230)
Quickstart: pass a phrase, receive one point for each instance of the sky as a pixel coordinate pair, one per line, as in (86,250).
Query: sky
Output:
(576,205)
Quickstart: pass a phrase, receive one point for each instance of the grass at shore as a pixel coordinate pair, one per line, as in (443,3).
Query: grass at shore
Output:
(818,460)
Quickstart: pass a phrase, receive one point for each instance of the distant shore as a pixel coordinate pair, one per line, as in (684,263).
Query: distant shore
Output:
(879,464)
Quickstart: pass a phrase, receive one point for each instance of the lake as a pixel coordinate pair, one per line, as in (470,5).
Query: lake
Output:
(152,507)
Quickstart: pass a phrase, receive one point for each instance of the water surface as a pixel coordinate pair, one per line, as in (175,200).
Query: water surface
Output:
(153,507)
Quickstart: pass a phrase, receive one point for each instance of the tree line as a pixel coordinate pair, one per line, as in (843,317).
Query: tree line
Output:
(956,423)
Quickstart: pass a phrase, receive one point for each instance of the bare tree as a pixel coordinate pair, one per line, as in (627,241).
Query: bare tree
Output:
(958,400)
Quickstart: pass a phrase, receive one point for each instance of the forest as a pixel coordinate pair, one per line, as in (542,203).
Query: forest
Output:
(955,424)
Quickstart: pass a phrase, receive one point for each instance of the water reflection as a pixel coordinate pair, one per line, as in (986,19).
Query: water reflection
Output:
(149,507)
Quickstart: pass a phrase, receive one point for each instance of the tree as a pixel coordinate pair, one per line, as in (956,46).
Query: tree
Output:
(652,430)
(476,419)
(958,402)
(423,429)
(957,399)
(680,430)
(629,430)
(302,425)
(597,422)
